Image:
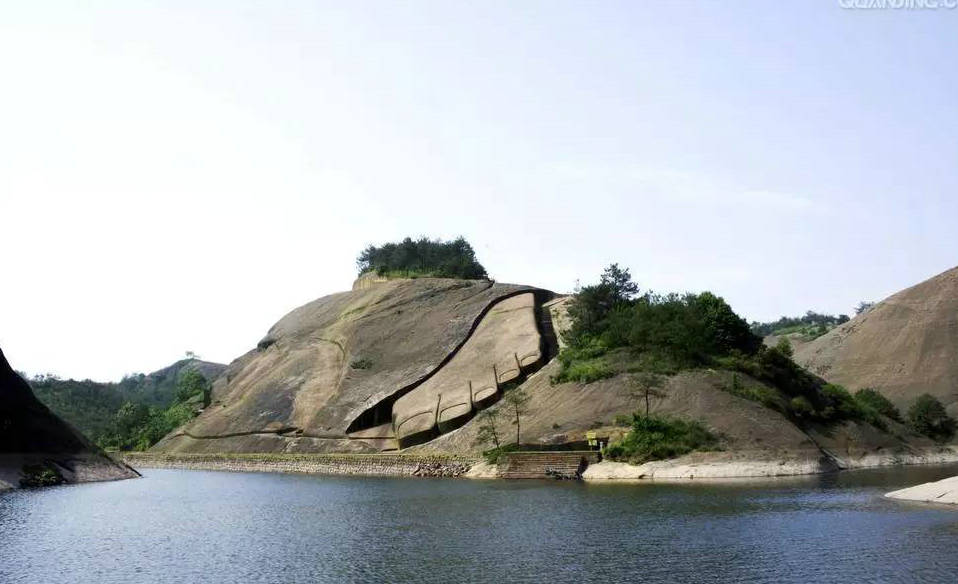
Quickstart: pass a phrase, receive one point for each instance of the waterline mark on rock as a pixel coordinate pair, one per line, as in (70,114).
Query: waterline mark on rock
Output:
(898,4)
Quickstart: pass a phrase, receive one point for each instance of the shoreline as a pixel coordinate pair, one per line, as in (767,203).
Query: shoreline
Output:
(696,467)
(386,465)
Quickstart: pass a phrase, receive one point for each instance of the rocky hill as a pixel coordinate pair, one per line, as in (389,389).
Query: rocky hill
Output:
(407,364)
(904,346)
(388,364)
(36,446)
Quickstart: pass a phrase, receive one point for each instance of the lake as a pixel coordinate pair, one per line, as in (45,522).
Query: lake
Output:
(195,526)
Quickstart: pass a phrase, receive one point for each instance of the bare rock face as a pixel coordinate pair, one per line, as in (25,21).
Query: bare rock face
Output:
(32,437)
(905,346)
(390,362)
(505,343)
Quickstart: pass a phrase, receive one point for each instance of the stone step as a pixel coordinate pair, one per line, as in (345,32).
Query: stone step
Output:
(543,464)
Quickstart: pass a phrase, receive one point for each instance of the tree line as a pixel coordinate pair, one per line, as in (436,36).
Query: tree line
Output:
(422,257)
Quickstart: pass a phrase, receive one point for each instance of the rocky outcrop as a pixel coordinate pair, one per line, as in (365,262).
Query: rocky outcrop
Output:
(38,447)
(943,491)
(904,346)
(406,364)
(388,364)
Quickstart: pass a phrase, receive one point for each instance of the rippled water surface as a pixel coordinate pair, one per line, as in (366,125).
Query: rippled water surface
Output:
(190,526)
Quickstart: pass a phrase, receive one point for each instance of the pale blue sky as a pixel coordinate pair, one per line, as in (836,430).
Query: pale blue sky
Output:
(178,175)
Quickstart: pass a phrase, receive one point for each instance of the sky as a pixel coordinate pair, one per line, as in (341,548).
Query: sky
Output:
(176,176)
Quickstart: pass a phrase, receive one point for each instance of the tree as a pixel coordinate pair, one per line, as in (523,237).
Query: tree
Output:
(864,306)
(593,304)
(191,383)
(488,426)
(646,386)
(191,355)
(517,401)
(873,399)
(928,416)
(423,257)
(785,347)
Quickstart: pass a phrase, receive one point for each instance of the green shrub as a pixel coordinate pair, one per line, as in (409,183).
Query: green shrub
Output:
(800,407)
(659,438)
(840,403)
(493,455)
(361,364)
(422,257)
(872,398)
(584,372)
(40,475)
(927,416)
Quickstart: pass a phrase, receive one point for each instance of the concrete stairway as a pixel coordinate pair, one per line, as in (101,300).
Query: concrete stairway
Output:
(546,464)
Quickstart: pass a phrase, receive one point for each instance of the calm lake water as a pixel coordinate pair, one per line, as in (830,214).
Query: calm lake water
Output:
(191,526)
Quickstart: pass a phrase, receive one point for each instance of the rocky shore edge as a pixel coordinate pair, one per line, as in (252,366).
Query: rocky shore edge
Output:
(386,465)
(695,466)
(944,491)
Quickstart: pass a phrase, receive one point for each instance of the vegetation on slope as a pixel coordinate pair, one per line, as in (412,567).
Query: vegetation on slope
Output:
(659,438)
(614,329)
(927,416)
(423,257)
(811,326)
(107,412)
(136,426)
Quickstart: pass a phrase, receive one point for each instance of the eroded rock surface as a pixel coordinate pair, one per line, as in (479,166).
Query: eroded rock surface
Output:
(327,375)
(506,343)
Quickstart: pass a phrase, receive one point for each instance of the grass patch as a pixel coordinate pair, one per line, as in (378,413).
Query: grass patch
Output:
(661,437)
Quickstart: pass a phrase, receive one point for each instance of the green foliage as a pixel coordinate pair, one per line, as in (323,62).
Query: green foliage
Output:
(87,405)
(614,330)
(662,333)
(812,325)
(927,416)
(90,406)
(516,402)
(583,371)
(840,405)
(191,384)
(361,364)
(493,455)
(659,438)
(40,475)
(800,407)
(784,347)
(873,399)
(422,257)
(488,431)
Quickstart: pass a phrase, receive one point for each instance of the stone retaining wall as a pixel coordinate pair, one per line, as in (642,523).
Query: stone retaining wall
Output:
(398,465)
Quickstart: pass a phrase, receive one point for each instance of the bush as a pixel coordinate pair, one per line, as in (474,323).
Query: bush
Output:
(872,398)
(840,405)
(584,371)
(927,416)
(40,475)
(493,455)
(361,364)
(659,438)
(800,407)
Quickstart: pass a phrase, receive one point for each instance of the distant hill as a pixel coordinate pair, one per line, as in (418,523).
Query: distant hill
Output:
(90,406)
(904,346)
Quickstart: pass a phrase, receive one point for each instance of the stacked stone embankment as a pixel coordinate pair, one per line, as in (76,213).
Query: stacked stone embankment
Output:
(398,465)
(542,465)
